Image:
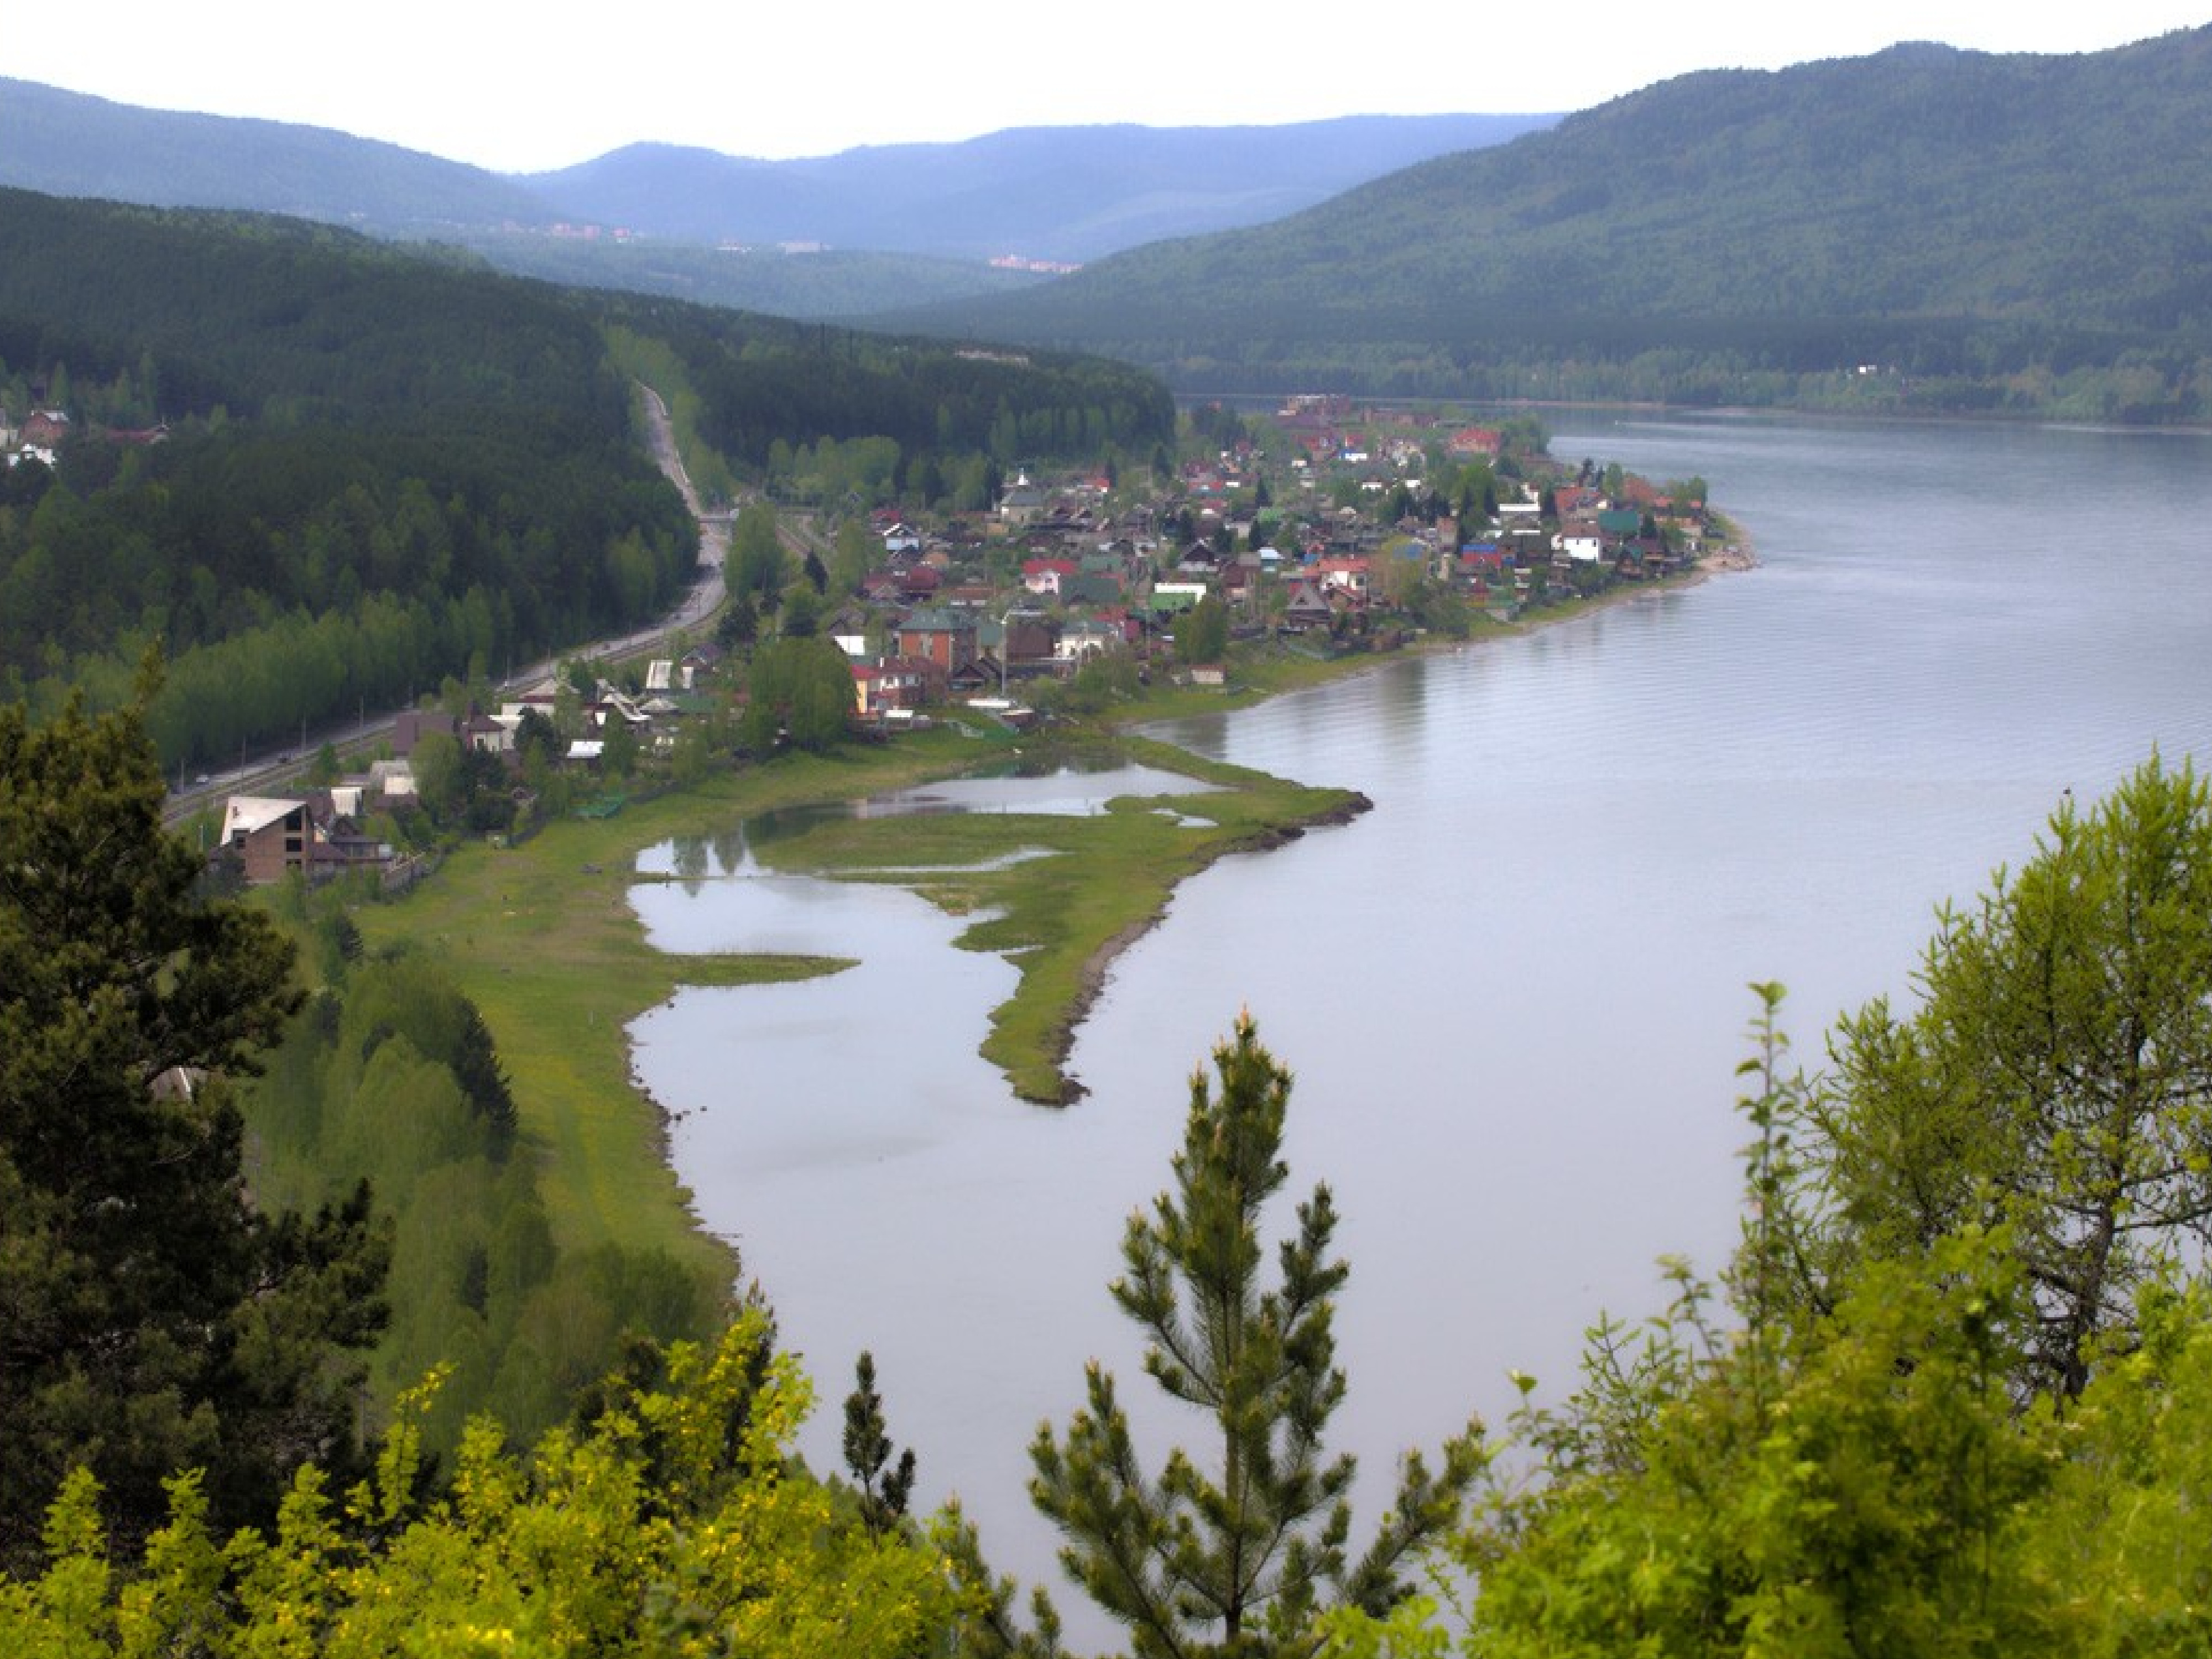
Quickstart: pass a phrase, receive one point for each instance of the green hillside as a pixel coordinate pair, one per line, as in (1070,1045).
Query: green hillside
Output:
(1974,228)
(322,470)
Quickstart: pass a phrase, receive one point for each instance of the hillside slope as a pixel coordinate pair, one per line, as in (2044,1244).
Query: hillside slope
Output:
(321,470)
(68,143)
(1950,215)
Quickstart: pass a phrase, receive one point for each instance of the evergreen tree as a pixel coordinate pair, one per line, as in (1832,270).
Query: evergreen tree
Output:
(151,1319)
(740,622)
(885,1487)
(1239,1557)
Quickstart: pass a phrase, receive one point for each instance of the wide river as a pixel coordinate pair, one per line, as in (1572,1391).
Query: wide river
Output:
(1514,994)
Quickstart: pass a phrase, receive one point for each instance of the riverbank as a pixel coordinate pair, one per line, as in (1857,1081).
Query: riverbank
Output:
(544,937)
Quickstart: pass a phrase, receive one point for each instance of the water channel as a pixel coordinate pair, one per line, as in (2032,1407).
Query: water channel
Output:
(1514,994)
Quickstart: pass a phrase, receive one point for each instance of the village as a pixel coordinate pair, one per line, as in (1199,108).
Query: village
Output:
(1325,531)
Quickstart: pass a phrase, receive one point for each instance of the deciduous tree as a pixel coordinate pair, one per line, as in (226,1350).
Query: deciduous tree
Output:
(677,1521)
(1202,633)
(801,690)
(2056,1076)
(757,560)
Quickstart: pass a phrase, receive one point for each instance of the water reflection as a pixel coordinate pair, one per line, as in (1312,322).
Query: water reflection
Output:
(1066,791)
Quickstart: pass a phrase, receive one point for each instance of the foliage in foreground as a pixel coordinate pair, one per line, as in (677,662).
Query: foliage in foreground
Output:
(152,1315)
(1899,1424)
(676,1522)
(1958,1398)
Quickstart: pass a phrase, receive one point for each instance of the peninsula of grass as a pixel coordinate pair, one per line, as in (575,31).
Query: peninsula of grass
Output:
(543,938)
(1059,897)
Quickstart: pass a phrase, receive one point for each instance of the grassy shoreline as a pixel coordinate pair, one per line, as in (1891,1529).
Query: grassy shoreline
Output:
(542,937)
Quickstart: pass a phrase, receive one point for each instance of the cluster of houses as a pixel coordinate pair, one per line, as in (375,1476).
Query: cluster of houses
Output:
(319,834)
(979,609)
(926,628)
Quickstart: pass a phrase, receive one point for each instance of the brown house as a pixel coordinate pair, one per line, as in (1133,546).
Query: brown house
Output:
(272,836)
(45,428)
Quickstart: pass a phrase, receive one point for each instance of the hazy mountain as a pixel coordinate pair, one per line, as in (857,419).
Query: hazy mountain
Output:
(1064,194)
(1920,211)
(66,143)
(904,225)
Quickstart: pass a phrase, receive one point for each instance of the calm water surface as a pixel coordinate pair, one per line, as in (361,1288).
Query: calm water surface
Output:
(1514,994)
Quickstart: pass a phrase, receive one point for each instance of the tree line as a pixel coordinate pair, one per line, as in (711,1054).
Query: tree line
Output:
(762,381)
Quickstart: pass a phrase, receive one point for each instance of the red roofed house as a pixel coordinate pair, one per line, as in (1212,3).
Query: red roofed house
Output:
(878,688)
(1048,576)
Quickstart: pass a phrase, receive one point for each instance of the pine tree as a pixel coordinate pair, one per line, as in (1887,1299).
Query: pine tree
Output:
(1241,1556)
(151,1319)
(885,1487)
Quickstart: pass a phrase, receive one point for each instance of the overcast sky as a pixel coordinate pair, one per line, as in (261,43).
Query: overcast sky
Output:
(521,87)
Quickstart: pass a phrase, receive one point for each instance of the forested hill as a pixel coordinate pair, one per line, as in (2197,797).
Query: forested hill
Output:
(278,317)
(321,470)
(1979,227)
(68,143)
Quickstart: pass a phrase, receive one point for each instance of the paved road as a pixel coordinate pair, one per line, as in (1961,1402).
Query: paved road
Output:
(273,768)
(706,596)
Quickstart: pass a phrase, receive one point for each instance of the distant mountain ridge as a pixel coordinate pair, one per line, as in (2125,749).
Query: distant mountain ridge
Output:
(1065,194)
(1919,218)
(911,224)
(69,144)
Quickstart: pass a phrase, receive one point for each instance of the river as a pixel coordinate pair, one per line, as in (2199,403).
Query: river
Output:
(1513,995)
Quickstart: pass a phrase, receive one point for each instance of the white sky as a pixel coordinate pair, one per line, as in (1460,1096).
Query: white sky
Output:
(522,88)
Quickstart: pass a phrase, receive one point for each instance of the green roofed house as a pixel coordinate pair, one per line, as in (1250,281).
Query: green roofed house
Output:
(943,638)
(1170,598)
